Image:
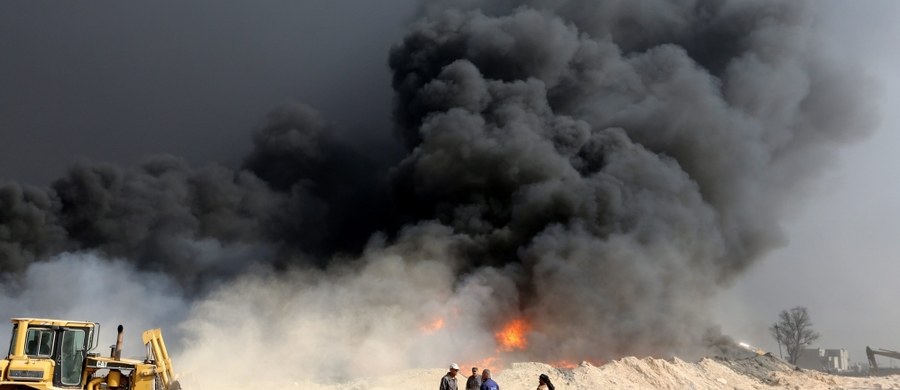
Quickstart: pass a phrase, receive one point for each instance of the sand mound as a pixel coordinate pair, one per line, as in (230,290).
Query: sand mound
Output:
(760,372)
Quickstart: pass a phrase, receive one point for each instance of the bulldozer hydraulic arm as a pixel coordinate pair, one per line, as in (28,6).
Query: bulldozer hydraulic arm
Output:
(153,339)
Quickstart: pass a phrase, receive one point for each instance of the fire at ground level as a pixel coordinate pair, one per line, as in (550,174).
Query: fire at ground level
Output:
(756,372)
(746,367)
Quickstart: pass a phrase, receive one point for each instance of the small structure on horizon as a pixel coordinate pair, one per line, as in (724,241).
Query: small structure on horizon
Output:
(827,360)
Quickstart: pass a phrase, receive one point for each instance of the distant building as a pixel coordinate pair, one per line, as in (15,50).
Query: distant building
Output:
(828,360)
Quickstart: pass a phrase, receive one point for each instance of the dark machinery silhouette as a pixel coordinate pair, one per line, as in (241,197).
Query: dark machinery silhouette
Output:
(870,353)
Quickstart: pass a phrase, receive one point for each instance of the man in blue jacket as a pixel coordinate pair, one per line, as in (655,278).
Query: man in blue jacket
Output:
(486,382)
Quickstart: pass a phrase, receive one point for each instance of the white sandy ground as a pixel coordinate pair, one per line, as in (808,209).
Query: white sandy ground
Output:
(761,372)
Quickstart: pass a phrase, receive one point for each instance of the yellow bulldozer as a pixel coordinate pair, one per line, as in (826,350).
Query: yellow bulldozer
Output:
(49,354)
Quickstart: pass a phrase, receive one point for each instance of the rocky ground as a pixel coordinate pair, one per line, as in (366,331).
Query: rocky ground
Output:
(760,372)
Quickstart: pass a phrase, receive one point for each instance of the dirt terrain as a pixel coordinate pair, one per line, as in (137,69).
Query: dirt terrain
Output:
(760,372)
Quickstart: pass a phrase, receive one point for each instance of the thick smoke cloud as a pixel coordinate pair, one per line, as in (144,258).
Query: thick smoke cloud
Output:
(28,226)
(598,169)
(336,194)
(630,158)
(160,215)
(292,200)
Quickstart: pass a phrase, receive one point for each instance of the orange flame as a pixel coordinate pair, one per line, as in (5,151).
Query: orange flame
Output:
(492,363)
(433,326)
(512,337)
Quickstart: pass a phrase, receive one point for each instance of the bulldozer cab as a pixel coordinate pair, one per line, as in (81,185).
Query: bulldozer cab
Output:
(45,353)
(56,355)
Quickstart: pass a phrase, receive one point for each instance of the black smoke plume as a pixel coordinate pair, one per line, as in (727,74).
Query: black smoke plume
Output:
(631,157)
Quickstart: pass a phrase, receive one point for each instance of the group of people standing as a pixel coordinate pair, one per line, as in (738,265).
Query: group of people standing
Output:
(484,381)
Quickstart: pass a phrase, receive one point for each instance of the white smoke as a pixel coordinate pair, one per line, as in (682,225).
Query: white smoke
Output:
(364,317)
(86,287)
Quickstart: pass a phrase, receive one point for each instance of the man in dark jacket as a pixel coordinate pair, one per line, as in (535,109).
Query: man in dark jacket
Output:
(474,382)
(448,382)
(488,383)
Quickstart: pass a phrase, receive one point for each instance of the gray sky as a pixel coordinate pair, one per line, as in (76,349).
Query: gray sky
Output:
(117,81)
(114,82)
(842,259)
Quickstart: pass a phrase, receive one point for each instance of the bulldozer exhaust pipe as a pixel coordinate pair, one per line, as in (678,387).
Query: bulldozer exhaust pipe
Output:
(117,350)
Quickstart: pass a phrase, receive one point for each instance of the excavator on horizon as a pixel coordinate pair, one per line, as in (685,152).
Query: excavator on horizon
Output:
(870,353)
(47,354)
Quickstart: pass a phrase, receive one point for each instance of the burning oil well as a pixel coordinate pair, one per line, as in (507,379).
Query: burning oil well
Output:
(580,177)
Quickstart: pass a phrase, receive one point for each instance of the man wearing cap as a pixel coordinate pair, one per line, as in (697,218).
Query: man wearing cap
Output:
(448,382)
(474,382)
